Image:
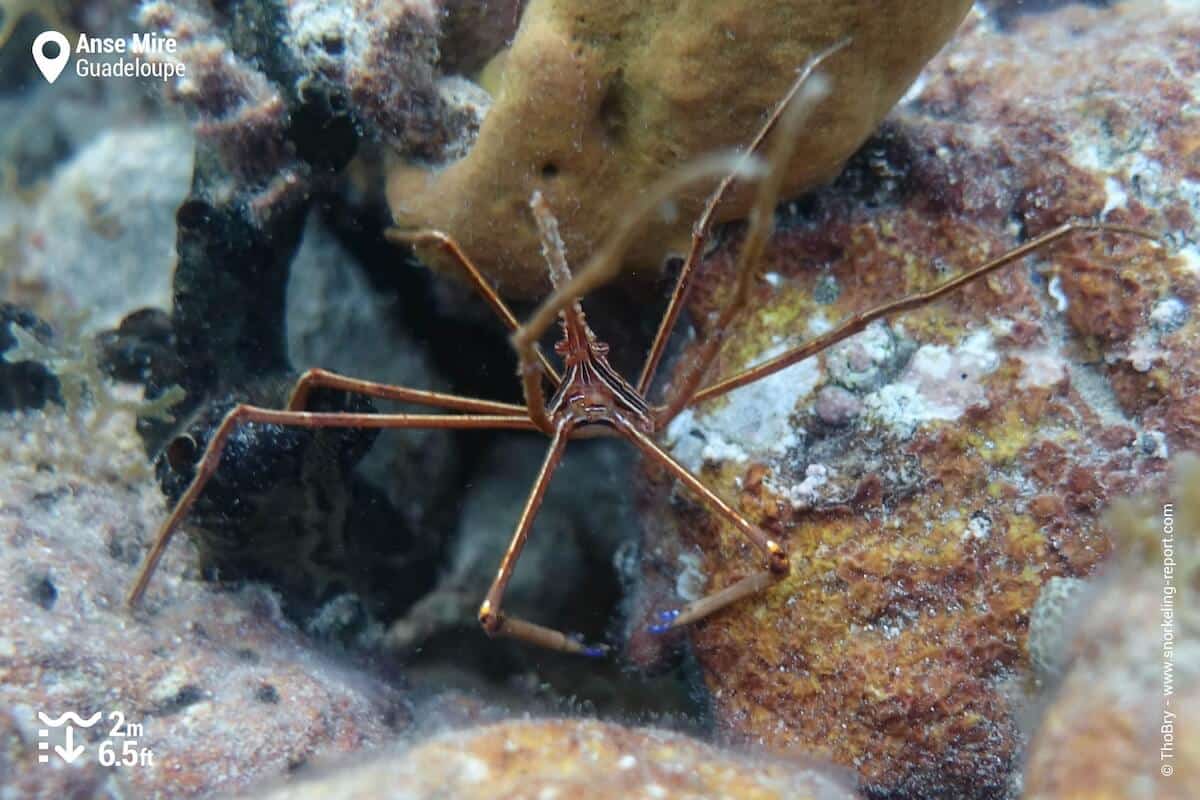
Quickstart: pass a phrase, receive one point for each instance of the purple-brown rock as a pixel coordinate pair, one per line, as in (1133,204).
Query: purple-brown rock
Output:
(997,423)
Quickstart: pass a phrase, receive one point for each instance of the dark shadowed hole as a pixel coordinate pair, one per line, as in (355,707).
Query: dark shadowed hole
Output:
(549,170)
(43,592)
(186,696)
(333,44)
(613,114)
(266,694)
(193,213)
(181,452)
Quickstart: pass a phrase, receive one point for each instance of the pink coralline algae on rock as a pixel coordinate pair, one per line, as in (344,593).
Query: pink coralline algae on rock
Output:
(380,56)
(384,53)
(994,425)
(228,692)
(1127,650)
(277,90)
(577,759)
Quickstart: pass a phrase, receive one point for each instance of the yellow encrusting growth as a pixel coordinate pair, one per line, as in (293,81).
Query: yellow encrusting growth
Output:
(597,99)
(14,11)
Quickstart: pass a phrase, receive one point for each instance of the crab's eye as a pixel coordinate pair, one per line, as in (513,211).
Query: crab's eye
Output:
(181,452)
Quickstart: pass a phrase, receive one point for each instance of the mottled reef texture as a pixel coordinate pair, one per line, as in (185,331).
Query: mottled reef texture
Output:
(578,759)
(596,100)
(228,691)
(931,474)
(940,480)
(1105,732)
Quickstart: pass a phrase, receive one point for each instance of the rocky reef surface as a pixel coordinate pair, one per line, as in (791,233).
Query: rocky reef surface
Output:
(1108,702)
(931,474)
(570,758)
(960,595)
(227,690)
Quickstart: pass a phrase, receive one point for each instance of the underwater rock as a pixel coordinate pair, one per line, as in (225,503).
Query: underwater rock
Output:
(995,424)
(280,96)
(96,259)
(475,30)
(335,320)
(586,514)
(595,101)
(1109,729)
(269,82)
(1050,621)
(1102,731)
(377,57)
(25,384)
(229,693)
(560,758)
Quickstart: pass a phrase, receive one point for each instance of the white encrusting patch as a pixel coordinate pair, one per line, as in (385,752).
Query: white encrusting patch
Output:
(1190,255)
(1041,368)
(1144,351)
(753,420)
(474,770)
(1169,313)
(939,384)
(1056,292)
(806,493)
(1114,195)
(817,324)
(978,529)
(691,580)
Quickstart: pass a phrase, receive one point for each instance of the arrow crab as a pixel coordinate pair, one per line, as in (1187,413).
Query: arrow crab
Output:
(587,396)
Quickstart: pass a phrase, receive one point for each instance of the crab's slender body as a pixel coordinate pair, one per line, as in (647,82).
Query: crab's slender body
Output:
(589,397)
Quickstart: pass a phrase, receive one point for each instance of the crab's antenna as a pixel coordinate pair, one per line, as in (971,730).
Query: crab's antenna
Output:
(606,263)
(575,326)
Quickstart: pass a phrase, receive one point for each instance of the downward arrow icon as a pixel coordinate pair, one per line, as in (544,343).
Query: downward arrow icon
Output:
(70,752)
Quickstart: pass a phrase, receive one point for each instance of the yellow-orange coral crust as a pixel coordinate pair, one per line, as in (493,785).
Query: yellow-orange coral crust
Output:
(596,100)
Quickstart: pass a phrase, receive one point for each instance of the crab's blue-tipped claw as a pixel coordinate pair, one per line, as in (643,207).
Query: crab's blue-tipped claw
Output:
(666,621)
(588,650)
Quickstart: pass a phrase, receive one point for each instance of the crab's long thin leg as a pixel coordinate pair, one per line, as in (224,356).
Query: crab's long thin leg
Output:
(778,564)
(324,379)
(762,222)
(861,320)
(301,419)
(493,299)
(531,387)
(703,225)
(491,615)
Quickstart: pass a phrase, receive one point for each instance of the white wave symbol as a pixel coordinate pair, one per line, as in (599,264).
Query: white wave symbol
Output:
(54,722)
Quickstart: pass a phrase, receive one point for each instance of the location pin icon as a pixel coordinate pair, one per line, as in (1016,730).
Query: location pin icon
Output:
(51,67)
